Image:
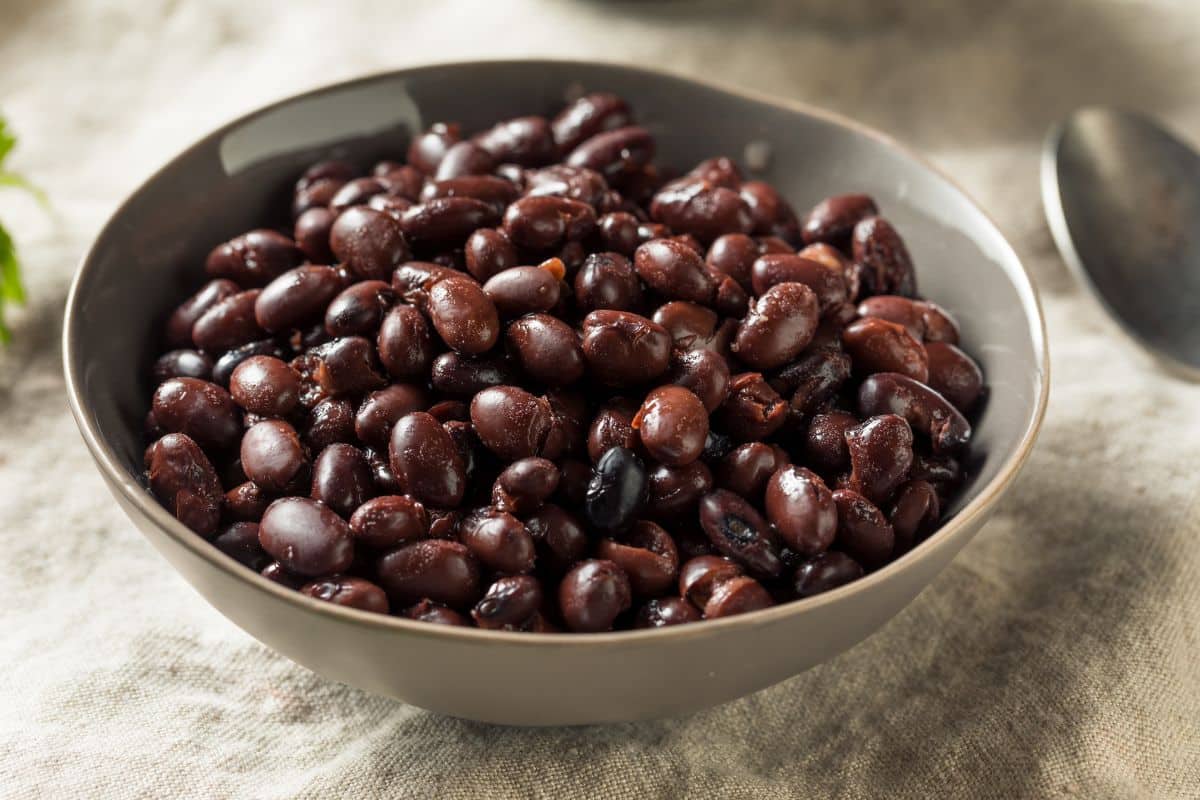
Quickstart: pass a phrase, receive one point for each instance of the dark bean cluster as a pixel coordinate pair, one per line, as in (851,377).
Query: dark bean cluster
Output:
(526,380)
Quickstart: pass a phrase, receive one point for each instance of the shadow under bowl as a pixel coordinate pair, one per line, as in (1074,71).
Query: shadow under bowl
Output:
(150,256)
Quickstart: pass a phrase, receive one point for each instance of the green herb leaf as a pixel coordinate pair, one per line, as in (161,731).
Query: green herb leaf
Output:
(7,140)
(11,290)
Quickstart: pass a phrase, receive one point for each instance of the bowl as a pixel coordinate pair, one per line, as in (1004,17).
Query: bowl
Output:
(149,256)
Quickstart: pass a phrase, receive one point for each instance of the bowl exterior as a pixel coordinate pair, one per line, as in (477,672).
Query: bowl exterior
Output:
(150,254)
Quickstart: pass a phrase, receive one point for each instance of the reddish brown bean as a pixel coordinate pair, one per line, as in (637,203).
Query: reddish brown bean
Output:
(833,219)
(306,537)
(954,375)
(527,141)
(489,252)
(746,469)
(825,442)
(705,373)
(589,115)
(887,266)
(753,411)
(463,315)
(674,270)
(246,502)
(813,379)
(272,455)
(371,243)
(342,478)
(825,571)
(877,345)
(345,590)
(660,612)
(863,532)
(434,569)
(700,576)
(179,324)
(446,221)
(624,349)
(880,456)
(524,485)
(427,150)
(675,491)
(801,507)
(672,425)
(296,298)
(703,209)
(647,556)
(616,153)
(463,159)
(184,481)
(618,232)
(924,409)
(228,324)
(592,595)
(738,595)
(513,423)
(265,386)
(329,421)
(389,521)
(559,538)
(607,281)
(346,366)
(499,540)
(509,604)
(780,324)
(405,343)
(826,282)
(358,310)
(915,513)
(254,258)
(426,461)
(381,409)
(522,290)
(546,349)
(202,410)
(740,532)
(545,223)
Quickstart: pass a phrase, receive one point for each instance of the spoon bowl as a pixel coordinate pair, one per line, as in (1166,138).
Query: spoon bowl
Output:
(1122,197)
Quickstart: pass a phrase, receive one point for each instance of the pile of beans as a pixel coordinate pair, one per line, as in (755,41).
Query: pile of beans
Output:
(527,380)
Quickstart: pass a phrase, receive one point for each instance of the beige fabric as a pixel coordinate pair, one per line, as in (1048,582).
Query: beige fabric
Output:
(1057,656)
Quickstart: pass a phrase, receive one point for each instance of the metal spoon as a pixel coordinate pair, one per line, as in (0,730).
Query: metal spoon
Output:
(1122,196)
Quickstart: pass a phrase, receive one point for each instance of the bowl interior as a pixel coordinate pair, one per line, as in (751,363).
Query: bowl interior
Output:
(150,256)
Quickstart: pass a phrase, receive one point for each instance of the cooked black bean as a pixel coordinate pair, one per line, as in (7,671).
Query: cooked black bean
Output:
(341,478)
(371,243)
(672,425)
(915,513)
(331,420)
(266,386)
(546,349)
(488,252)
(389,521)
(228,324)
(463,315)
(699,207)
(178,330)
(426,460)
(524,485)
(886,265)
(182,364)
(272,455)
(674,270)
(592,595)
(523,290)
(876,345)
(881,455)
(825,571)
(427,150)
(184,481)
(296,298)
(347,366)
(647,555)
(433,569)
(954,375)
(616,153)
(544,222)
(825,448)
(558,537)
(801,507)
(435,613)
(306,537)
(246,502)
(461,159)
(446,221)
(509,603)
(925,410)
(863,531)
(624,349)
(740,532)
(753,410)
(833,219)
(738,595)
(464,376)
(589,115)
(746,469)
(202,410)
(499,540)
(607,281)
(381,409)
(674,491)
(705,373)
(254,259)
(780,324)
(345,590)
(700,576)
(617,491)
(239,541)
(663,611)
(514,424)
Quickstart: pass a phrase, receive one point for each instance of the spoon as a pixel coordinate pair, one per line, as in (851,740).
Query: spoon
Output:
(1122,196)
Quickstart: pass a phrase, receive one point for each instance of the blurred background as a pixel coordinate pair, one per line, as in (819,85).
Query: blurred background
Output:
(101,93)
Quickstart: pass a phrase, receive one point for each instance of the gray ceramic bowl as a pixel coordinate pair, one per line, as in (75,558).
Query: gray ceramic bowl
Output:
(149,256)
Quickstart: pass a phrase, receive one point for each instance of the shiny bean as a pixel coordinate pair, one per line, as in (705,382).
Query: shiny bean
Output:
(886,264)
(672,425)
(915,513)
(389,521)
(825,571)
(446,221)
(178,331)
(546,349)
(592,595)
(746,469)
(893,308)
(278,573)
(877,345)
(246,502)
(737,596)
(228,324)
(753,411)
(674,270)
(740,532)
(514,424)
(306,537)
(825,446)
(344,590)
(434,569)
(296,298)
(355,192)
(381,409)
(182,364)
(661,612)
(229,361)
(489,252)
(691,326)
(327,422)
(202,410)
(253,259)
(463,315)
(617,491)
(827,283)
(371,243)
(311,233)
(522,290)
(358,310)
(558,537)
(428,149)
(705,373)
(607,281)
(700,576)
(954,375)
(615,153)
(426,461)
(833,219)
(499,541)
(675,491)
(494,191)
(527,141)
(646,555)
(330,169)
(347,366)
(400,180)
(612,426)
(184,481)
(589,115)
(435,613)
(770,212)
(239,541)
(524,485)
(404,342)
(801,507)
(319,194)
(813,379)
(463,159)
(544,223)
(463,376)
(272,455)
(509,603)
(624,349)
(881,455)
(618,232)
(924,409)
(703,209)
(780,324)
(342,478)
(863,532)
(266,386)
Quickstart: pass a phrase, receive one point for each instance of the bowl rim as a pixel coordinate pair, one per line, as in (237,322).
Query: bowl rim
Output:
(140,498)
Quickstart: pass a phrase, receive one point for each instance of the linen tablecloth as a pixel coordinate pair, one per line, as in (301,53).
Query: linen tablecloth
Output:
(1058,655)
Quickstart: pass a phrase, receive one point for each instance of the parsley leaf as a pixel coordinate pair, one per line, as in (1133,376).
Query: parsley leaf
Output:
(11,288)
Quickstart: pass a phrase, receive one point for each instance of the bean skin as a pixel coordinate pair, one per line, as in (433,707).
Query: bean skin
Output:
(405,343)
(780,325)
(434,569)
(589,115)
(462,159)
(342,478)
(522,290)
(691,326)
(426,461)
(672,425)
(737,596)
(296,298)
(813,379)
(344,590)
(435,613)
(705,373)
(527,141)
(827,283)
(833,219)
(607,281)
(624,349)
(674,270)
(612,426)
(182,364)
(647,556)
(740,532)
(558,537)
(428,149)
(524,485)
(802,510)
(239,541)
(617,491)
(592,595)
(825,446)
(661,612)
(880,456)
(544,223)
(463,376)
(616,153)
(696,206)
(915,513)
(265,386)
(346,366)
(371,243)
(954,375)
(700,576)
(202,410)
(246,502)
(500,542)
(509,603)
(887,266)
(463,315)
(753,411)
(863,532)
(329,421)
(825,571)
(389,521)
(253,259)
(924,409)
(673,491)
(184,481)
(228,324)
(546,349)
(513,423)
(178,331)
(381,409)
(306,537)
(877,345)
(272,455)
(445,221)
(746,469)
(358,310)
(488,252)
